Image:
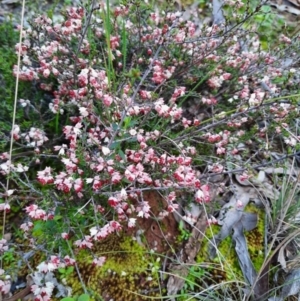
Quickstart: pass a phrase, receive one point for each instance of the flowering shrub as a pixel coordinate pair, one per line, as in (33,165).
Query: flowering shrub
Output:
(143,102)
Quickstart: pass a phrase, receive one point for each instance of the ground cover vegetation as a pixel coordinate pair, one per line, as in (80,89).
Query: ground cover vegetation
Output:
(154,154)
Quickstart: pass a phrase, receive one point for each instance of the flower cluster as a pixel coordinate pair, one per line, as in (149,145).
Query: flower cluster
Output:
(124,109)
(44,280)
(5,284)
(91,88)
(54,263)
(3,245)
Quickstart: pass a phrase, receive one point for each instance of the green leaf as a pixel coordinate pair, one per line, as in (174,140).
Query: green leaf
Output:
(69,270)
(115,126)
(67,299)
(265,9)
(50,14)
(122,155)
(38,228)
(115,145)
(127,121)
(84,297)
(181,225)
(57,217)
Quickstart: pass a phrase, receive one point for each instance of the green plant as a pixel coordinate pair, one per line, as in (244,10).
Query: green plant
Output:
(82,297)
(65,272)
(184,233)
(137,100)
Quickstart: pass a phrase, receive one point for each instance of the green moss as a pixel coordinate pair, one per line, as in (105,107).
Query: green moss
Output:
(255,238)
(125,256)
(225,266)
(127,273)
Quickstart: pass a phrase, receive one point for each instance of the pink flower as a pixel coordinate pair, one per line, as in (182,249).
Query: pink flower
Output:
(189,218)
(45,177)
(243,177)
(202,195)
(212,221)
(215,82)
(78,185)
(83,77)
(99,261)
(113,202)
(42,293)
(3,245)
(172,207)
(100,209)
(5,207)
(35,213)
(116,177)
(47,266)
(186,122)
(16,132)
(97,183)
(143,209)
(4,156)
(99,234)
(145,94)
(26,226)
(84,243)
(5,286)
(115,226)
(69,261)
(226,76)
(65,235)
(114,42)
(131,173)
(221,150)
(216,168)
(107,100)
(46,73)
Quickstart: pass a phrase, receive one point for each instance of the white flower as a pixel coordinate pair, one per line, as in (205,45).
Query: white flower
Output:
(199,195)
(83,111)
(89,180)
(290,141)
(105,150)
(77,128)
(10,192)
(49,288)
(24,102)
(93,231)
(46,267)
(21,168)
(123,194)
(133,132)
(131,222)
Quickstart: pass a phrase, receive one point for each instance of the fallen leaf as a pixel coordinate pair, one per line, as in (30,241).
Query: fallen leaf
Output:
(291,285)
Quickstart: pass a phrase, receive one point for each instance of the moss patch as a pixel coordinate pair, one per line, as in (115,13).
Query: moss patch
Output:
(129,273)
(225,266)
